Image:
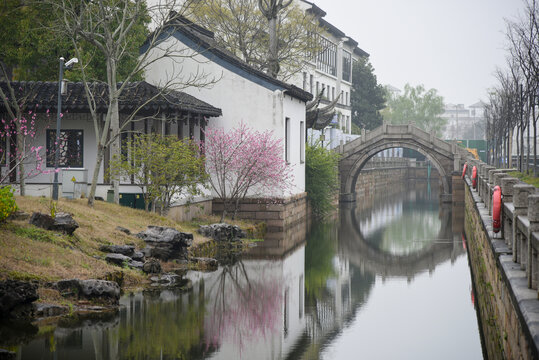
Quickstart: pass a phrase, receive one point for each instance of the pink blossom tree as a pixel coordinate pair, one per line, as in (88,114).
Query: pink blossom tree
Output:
(244,162)
(26,159)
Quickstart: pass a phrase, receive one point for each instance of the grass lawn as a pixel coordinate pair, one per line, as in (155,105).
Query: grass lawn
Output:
(529,179)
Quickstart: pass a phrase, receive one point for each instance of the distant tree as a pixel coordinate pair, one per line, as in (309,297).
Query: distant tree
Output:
(241,28)
(244,162)
(418,106)
(367,96)
(163,167)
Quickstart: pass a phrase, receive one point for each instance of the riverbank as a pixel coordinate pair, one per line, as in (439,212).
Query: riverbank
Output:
(32,254)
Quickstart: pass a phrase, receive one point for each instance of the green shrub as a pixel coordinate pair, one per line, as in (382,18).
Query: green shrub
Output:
(321,178)
(7,202)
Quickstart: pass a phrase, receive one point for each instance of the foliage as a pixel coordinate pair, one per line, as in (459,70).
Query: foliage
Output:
(319,253)
(240,27)
(162,166)
(7,202)
(33,43)
(367,96)
(418,106)
(245,162)
(321,177)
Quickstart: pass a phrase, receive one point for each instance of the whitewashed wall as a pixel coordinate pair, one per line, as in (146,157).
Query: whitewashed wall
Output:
(240,99)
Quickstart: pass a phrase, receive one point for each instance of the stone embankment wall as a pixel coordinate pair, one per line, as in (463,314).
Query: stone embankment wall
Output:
(504,264)
(278,216)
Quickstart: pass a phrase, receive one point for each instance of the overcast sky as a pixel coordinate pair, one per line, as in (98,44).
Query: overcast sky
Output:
(453,46)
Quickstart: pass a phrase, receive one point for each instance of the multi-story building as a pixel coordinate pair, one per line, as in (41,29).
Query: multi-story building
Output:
(331,68)
(464,123)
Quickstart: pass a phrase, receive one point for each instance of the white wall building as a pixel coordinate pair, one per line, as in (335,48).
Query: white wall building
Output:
(331,69)
(464,123)
(244,94)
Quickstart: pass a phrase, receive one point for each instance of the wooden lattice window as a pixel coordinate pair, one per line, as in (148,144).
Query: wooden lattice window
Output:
(70,147)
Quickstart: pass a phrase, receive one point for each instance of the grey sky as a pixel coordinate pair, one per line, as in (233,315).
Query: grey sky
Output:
(453,46)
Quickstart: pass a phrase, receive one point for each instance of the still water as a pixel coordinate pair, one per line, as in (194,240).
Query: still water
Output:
(388,280)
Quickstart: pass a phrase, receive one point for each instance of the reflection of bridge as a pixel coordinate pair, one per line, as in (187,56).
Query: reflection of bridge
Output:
(354,247)
(355,154)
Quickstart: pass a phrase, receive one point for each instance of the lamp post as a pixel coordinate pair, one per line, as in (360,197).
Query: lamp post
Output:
(59,122)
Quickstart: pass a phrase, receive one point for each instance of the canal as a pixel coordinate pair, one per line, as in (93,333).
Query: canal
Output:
(388,279)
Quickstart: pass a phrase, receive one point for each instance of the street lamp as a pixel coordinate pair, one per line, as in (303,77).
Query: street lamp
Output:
(61,90)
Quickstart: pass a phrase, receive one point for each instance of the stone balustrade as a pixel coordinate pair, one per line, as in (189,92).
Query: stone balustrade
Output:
(505,264)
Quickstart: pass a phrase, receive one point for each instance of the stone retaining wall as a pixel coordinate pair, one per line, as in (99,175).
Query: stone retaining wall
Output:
(278,216)
(509,309)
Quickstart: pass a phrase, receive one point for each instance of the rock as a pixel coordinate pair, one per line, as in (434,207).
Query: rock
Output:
(138,256)
(19,215)
(203,263)
(68,287)
(136,264)
(62,222)
(169,280)
(166,243)
(124,230)
(100,289)
(116,276)
(65,223)
(43,221)
(222,232)
(152,266)
(16,299)
(46,310)
(127,250)
(117,259)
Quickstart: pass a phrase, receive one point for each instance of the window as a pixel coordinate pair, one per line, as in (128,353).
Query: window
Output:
(311,82)
(346,66)
(346,95)
(287,139)
(70,148)
(302,142)
(317,88)
(304,81)
(342,98)
(327,58)
(332,93)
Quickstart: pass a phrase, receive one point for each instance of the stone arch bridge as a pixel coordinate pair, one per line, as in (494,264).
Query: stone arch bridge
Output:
(445,156)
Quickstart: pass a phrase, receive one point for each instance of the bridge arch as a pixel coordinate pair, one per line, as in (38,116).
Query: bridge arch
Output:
(356,154)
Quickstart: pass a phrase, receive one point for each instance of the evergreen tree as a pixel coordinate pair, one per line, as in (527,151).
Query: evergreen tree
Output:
(367,96)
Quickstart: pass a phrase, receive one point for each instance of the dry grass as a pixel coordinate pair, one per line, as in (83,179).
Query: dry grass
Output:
(27,252)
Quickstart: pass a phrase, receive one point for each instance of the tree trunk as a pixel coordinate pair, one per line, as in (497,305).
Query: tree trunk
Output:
(97,167)
(273,61)
(21,154)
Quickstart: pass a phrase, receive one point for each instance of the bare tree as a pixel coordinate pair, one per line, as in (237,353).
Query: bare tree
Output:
(523,35)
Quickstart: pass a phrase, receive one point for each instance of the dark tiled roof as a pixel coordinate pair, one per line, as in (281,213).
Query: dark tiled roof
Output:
(42,96)
(205,40)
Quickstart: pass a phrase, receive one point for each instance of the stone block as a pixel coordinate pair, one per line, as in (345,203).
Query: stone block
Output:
(521,193)
(507,184)
(533,208)
(498,178)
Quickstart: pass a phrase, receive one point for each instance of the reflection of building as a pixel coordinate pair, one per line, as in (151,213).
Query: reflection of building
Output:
(255,308)
(464,123)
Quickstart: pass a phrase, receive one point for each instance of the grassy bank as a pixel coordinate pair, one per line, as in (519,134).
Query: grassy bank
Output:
(528,179)
(30,253)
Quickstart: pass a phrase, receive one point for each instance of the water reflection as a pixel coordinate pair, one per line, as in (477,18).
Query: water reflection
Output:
(298,295)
